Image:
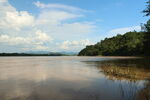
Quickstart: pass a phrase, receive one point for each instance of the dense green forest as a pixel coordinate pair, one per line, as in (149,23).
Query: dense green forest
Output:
(129,44)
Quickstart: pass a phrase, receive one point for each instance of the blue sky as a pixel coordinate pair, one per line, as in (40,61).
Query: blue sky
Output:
(65,25)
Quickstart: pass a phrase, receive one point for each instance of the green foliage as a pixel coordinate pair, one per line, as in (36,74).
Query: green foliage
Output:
(129,44)
(89,51)
(147,30)
(147,26)
(147,10)
(147,39)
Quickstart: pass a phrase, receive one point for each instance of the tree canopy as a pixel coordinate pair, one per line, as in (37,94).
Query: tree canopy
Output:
(129,44)
(147,10)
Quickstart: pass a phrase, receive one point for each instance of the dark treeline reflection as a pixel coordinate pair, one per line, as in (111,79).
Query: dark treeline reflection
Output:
(129,71)
(131,62)
(74,78)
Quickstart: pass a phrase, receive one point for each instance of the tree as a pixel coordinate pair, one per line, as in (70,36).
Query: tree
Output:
(147,39)
(147,26)
(147,10)
(147,31)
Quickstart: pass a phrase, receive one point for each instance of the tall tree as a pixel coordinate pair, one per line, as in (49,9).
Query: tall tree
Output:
(147,31)
(147,10)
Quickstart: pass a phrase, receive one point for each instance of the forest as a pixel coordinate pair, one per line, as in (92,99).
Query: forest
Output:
(129,44)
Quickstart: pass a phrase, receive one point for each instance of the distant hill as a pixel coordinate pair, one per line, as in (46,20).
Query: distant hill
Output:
(37,52)
(48,52)
(40,53)
(69,53)
(129,44)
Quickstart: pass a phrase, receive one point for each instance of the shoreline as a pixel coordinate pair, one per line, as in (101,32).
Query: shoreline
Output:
(118,57)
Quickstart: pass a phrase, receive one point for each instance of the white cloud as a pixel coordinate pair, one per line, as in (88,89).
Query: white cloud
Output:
(38,39)
(14,40)
(27,43)
(42,36)
(54,17)
(19,19)
(124,30)
(39,47)
(13,19)
(29,32)
(2,1)
(58,6)
(75,45)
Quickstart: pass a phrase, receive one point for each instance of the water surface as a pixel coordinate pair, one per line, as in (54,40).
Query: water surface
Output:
(74,78)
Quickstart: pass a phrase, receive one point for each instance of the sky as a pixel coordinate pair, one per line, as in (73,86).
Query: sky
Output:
(65,25)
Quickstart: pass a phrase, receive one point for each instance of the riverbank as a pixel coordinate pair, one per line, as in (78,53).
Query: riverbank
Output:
(119,57)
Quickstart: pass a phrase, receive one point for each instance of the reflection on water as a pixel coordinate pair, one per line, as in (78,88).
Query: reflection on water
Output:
(125,69)
(74,78)
(144,94)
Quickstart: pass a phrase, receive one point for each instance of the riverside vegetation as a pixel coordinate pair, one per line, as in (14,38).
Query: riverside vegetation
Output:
(129,44)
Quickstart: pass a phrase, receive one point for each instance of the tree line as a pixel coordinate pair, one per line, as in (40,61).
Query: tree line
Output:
(30,54)
(129,44)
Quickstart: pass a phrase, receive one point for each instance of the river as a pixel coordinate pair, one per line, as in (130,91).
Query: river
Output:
(74,78)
